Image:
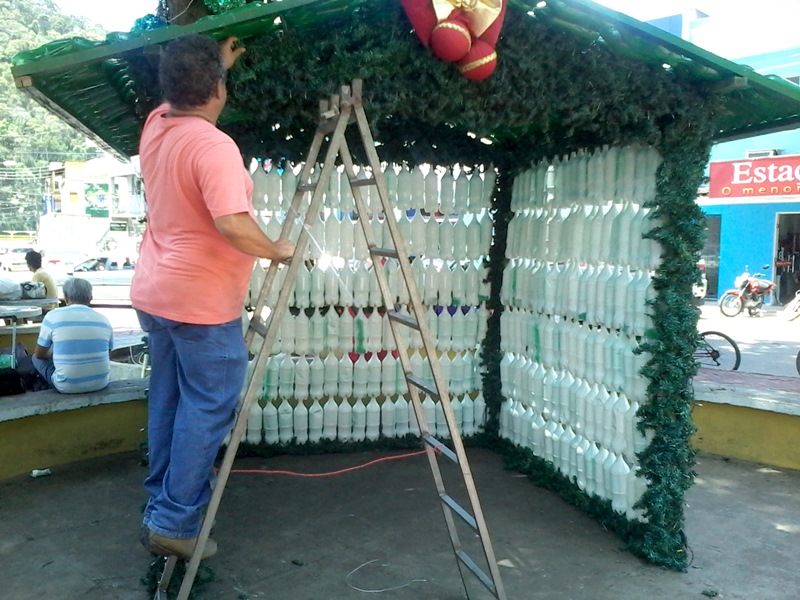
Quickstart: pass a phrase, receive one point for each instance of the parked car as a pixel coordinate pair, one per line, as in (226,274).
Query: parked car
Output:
(62,262)
(13,259)
(700,290)
(110,278)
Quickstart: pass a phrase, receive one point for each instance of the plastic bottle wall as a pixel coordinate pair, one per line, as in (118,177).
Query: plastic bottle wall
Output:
(335,364)
(575,289)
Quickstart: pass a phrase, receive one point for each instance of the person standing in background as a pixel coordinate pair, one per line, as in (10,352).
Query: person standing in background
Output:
(189,286)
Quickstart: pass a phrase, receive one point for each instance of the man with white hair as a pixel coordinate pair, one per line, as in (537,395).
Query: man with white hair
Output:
(75,341)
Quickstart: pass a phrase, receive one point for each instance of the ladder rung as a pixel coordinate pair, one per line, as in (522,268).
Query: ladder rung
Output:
(306,187)
(362,182)
(437,445)
(385,252)
(423,384)
(456,508)
(477,571)
(406,320)
(258,326)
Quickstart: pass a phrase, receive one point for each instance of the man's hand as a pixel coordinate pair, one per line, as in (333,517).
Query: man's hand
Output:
(230,52)
(285,250)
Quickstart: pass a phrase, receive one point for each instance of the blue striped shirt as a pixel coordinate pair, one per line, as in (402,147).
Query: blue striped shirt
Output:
(81,339)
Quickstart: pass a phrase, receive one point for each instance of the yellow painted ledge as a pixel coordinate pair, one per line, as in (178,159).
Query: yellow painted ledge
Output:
(46,429)
(748,416)
(750,434)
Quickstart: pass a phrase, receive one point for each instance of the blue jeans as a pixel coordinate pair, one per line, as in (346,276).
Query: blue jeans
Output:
(197,373)
(46,368)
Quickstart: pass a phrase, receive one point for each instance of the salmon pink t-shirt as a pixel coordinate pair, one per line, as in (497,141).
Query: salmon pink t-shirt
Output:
(193,173)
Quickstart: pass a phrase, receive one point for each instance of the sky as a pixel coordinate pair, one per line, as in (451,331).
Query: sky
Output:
(738,28)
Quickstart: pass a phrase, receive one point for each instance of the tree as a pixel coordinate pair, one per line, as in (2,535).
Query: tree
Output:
(30,136)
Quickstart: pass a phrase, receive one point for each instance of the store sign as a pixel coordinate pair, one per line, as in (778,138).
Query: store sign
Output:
(757,178)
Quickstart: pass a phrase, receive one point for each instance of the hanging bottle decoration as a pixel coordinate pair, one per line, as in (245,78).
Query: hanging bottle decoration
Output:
(254,424)
(315,422)
(270,421)
(330,417)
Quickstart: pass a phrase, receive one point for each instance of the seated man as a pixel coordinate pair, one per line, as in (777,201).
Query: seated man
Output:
(34,261)
(75,341)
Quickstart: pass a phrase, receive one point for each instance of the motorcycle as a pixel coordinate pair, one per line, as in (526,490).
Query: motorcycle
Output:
(749,293)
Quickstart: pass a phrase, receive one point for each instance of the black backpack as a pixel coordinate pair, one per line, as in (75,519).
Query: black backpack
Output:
(32,381)
(11,382)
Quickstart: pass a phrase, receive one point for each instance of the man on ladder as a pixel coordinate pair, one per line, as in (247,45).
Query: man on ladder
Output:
(335,116)
(194,267)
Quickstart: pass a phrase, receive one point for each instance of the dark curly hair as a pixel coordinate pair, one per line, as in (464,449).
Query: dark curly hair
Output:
(189,70)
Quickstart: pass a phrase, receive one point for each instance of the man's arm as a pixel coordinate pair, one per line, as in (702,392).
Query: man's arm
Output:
(245,235)
(43,353)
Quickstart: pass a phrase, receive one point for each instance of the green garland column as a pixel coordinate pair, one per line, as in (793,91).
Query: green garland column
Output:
(667,463)
(490,348)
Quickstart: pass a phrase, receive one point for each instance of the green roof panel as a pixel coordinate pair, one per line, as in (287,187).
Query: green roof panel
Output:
(106,88)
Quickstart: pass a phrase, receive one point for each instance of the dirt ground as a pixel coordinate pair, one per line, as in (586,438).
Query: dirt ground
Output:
(378,532)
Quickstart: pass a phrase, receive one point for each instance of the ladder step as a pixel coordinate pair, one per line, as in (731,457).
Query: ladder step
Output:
(406,320)
(477,571)
(306,187)
(259,327)
(385,252)
(437,445)
(362,182)
(456,508)
(426,386)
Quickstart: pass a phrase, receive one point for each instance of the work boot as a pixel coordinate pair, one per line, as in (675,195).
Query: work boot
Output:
(182,548)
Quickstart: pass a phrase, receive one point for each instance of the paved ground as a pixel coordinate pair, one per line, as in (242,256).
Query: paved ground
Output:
(769,344)
(378,533)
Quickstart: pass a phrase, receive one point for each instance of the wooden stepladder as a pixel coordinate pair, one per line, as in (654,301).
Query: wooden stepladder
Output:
(335,116)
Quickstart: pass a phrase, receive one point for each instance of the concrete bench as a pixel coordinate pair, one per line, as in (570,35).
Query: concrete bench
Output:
(27,333)
(46,429)
(748,416)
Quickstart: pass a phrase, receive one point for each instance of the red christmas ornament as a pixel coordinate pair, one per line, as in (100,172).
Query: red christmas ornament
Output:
(479,62)
(451,40)
(460,31)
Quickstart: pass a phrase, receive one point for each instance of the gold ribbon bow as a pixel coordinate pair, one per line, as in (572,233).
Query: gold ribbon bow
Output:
(480,14)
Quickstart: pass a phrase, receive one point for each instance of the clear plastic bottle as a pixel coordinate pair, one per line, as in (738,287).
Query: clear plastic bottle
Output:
(300,422)
(387,417)
(360,377)
(315,422)
(254,424)
(346,331)
(373,419)
(447,193)
(302,331)
(344,421)
(330,417)
(359,420)
(467,415)
(345,376)
(442,430)
(431,200)
(287,333)
(285,421)
(286,377)
(332,236)
(401,422)
(270,419)
(389,375)
(429,410)
(373,375)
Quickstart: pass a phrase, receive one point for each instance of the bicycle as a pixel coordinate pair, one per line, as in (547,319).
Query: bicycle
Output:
(792,309)
(716,350)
